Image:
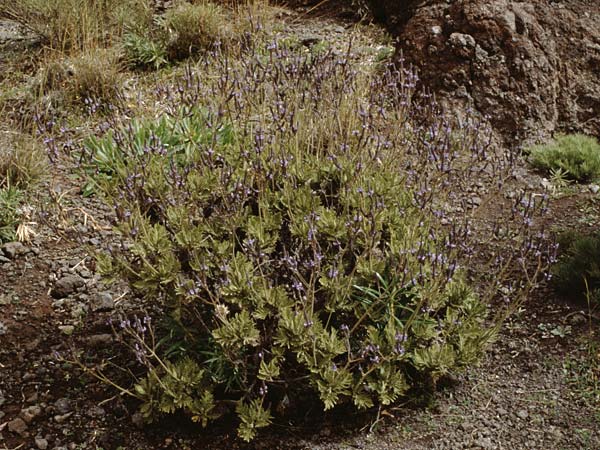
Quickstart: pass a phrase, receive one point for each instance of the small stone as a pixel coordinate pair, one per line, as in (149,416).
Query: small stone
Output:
(554,433)
(461,92)
(510,20)
(138,420)
(30,413)
(336,29)
(14,249)
(462,40)
(577,319)
(309,39)
(62,405)
(67,329)
(480,54)
(594,188)
(99,340)
(41,443)
(78,311)
(475,201)
(522,414)
(547,184)
(17,426)
(102,301)
(4,259)
(466,427)
(61,418)
(436,30)
(502,412)
(97,412)
(484,442)
(67,285)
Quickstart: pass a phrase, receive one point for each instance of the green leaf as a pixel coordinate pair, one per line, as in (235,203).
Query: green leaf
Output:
(333,382)
(237,332)
(269,371)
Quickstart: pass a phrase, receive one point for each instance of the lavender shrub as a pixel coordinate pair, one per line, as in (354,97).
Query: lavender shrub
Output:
(311,228)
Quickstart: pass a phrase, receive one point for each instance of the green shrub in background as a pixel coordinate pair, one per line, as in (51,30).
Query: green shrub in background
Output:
(190,28)
(22,161)
(578,271)
(576,155)
(144,52)
(91,76)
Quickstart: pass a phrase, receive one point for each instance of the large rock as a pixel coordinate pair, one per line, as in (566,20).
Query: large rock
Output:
(532,66)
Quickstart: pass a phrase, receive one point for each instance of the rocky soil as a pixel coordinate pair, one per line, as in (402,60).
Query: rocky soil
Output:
(536,389)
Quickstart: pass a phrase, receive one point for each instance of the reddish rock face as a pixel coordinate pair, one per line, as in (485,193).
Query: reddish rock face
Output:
(532,66)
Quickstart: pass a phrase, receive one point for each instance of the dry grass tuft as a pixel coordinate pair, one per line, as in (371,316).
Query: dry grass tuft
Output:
(22,161)
(76,25)
(94,75)
(194,27)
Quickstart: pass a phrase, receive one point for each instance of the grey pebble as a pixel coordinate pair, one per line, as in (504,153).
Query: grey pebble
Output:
(62,405)
(67,285)
(522,414)
(30,413)
(102,301)
(41,443)
(60,418)
(14,249)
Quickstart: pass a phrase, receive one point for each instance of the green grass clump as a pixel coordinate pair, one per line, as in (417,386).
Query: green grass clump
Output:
(576,155)
(577,274)
(10,199)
